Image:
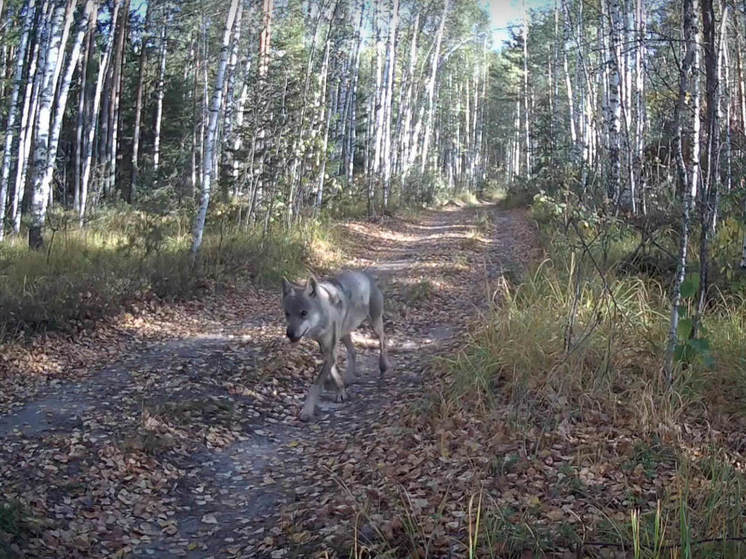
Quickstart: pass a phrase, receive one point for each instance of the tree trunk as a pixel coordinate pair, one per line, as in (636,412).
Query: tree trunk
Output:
(90,8)
(39,195)
(138,106)
(229,117)
(526,113)
(352,126)
(708,193)
(215,107)
(380,95)
(741,85)
(388,105)
(26,133)
(112,142)
(640,105)
(688,90)
(325,122)
(10,127)
(615,106)
(566,67)
(160,93)
(431,86)
(82,108)
(93,120)
(406,109)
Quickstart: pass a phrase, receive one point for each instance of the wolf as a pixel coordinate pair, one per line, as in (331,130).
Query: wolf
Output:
(327,312)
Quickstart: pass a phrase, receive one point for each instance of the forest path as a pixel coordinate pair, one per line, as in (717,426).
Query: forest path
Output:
(191,447)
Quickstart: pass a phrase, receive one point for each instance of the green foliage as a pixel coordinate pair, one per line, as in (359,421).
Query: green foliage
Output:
(521,360)
(689,347)
(13,527)
(427,189)
(86,275)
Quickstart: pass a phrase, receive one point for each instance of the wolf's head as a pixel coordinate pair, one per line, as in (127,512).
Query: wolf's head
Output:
(302,307)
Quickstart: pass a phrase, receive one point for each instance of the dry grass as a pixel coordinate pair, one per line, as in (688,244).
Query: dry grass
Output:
(82,276)
(571,342)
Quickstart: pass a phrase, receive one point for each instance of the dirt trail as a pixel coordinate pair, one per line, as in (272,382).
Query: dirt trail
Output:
(192,446)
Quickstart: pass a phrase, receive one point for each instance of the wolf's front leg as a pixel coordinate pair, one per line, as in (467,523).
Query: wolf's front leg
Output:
(312,398)
(329,350)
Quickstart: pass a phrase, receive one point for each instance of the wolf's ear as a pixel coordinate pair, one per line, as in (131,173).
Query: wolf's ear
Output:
(312,287)
(287,287)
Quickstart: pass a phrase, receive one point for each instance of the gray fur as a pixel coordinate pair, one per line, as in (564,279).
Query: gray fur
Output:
(327,311)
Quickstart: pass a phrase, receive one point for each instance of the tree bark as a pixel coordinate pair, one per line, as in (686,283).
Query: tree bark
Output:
(10,127)
(388,105)
(229,117)
(160,93)
(89,9)
(112,141)
(94,117)
(526,112)
(53,30)
(615,106)
(138,106)
(688,178)
(431,87)
(708,193)
(215,107)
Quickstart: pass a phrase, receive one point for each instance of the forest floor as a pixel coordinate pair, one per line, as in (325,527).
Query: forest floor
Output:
(173,430)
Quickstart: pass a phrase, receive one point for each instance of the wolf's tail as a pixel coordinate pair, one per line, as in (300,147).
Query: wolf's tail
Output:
(374,277)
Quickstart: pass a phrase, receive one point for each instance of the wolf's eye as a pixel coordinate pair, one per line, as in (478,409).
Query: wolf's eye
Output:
(303,313)
(287,315)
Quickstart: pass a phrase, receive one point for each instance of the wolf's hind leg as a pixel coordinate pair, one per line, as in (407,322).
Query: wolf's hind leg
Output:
(376,320)
(351,371)
(339,381)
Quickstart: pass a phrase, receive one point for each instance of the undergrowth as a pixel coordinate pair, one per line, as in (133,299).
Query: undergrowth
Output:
(84,275)
(583,337)
(13,527)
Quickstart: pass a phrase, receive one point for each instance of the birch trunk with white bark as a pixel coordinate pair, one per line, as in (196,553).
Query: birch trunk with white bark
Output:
(90,134)
(215,108)
(431,87)
(52,29)
(688,177)
(10,126)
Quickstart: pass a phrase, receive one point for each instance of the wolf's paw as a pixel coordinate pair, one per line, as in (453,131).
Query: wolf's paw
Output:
(384,365)
(306,415)
(342,395)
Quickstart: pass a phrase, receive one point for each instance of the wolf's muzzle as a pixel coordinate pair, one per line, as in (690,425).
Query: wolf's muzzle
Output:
(293,338)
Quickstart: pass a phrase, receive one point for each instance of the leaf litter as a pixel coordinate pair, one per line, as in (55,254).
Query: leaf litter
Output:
(173,431)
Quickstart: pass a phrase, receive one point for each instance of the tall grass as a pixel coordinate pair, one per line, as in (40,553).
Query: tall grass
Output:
(83,275)
(580,333)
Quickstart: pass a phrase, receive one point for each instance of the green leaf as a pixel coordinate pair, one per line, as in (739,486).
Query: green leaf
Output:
(700,345)
(683,352)
(684,329)
(690,286)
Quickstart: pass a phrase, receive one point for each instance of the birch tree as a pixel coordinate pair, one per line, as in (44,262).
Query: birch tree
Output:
(431,87)
(160,92)
(93,117)
(29,10)
(687,106)
(615,107)
(208,170)
(53,30)
(89,9)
